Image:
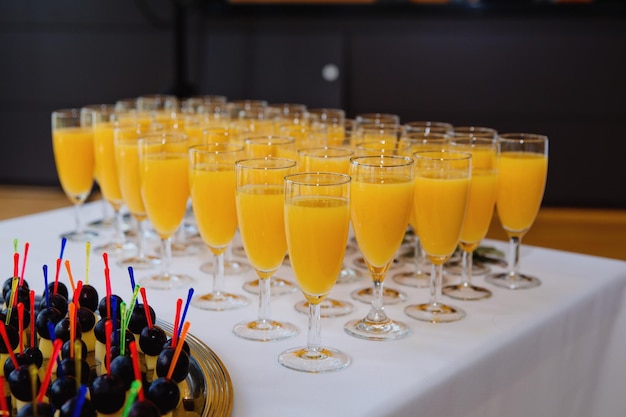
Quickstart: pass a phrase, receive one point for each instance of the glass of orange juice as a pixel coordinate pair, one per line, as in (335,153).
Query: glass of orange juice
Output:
(381,195)
(442,185)
(335,160)
(317,224)
(212,187)
(72,143)
(259,197)
(164,184)
(522,173)
(126,136)
(480,208)
(273,147)
(419,140)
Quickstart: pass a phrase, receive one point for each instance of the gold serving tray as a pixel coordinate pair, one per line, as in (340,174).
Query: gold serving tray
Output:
(208,390)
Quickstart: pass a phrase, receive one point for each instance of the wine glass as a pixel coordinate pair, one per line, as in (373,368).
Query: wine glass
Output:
(522,172)
(442,184)
(317,224)
(104,122)
(126,143)
(273,147)
(212,187)
(429,126)
(328,123)
(335,160)
(419,140)
(381,195)
(260,196)
(480,208)
(74,157)
(164,178)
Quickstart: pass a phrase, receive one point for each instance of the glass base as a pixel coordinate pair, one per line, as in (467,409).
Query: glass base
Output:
(371,330)
(230,268)
(185,248)
(434,312)
(166,282)
(466,292)
(456,268)
(390,295)
(513,282)
(117,250)
(348,276)
(84,236)
(219,301)
(412,279)
(328,308)
(278,286)
(239,252)
(320,360)
(139,263)
(359,262)
(265,330)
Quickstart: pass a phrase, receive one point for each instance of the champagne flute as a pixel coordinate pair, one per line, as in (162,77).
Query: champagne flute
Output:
(334,160)
(522,172)
(272,147)
(164,177)
(381,195)
(442,184)
(72,143)
(260,196)
(126,143)
(212,187)
(480,208)
(419,140)
(104,123)
(317,224)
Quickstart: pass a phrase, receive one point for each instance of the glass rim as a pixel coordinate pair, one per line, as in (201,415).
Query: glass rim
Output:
(154,136)
(479,141)
(264,163)
(442,155)
(206,147)
(269,138)
(357,160)
(341,178)
(342,152)
(67,111)
(522,137)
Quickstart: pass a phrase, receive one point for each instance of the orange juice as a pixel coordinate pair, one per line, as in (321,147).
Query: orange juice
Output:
(317,232)
(521,183)
(213,199)
(75,161)
(165,172)
(105,163)
(380,211)
(440,206)
(480,206)
(260,212)
(127,158)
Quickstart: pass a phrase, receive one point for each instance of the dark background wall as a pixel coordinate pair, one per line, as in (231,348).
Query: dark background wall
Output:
(521,66)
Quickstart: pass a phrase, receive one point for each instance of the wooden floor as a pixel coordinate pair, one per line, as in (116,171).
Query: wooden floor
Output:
(592,231)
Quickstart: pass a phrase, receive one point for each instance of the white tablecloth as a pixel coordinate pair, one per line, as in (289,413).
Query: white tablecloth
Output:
(555,350)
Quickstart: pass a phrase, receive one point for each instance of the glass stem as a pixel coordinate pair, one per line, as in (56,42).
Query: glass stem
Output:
(117,226)
(467,265)
(264,299)
(166,250)
(141,239)
(77,218)
(314,337)
(377,312)
(418,256)
(218,274)
(514,246)
(436,280)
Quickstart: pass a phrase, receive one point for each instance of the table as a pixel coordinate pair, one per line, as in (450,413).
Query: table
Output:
(556,350)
